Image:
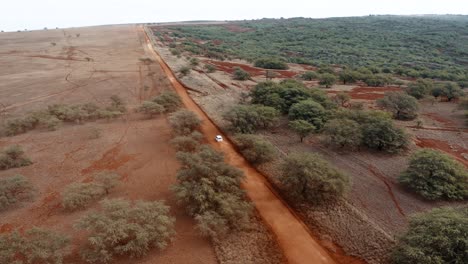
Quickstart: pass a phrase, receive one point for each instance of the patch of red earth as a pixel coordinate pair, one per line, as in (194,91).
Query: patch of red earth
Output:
(451,129)
(109,161)
(237,28)
(454,150)
(369,93)
(228,67)
(6,228)
(440,119)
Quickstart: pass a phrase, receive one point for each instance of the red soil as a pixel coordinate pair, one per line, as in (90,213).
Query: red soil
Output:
(109,161)
(228,67)
(368,93)
(440,119)
(454,150)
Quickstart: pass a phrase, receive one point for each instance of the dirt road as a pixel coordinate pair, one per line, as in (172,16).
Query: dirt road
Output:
(293,236)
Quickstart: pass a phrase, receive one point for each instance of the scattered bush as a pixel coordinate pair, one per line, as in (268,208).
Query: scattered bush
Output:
(33,246)
(439,236)
(343,133)
(14,189)
(271,63)
(302,128)
(184,71)
(13,157)
(349,76)
(449,90)
(308,177)
(151,108)
(169,100)
(249,118)
(327,79)
(309,76)
(211,191)
(342,99)
(107,180)
(194,62)
(117,104)
(383,135)
(240,75)
(121,228)
(310,111)
(189,143)
(402,106)
(255,149)
(420,88)
(184,122)
(377,80)
(210,68)
(435,175)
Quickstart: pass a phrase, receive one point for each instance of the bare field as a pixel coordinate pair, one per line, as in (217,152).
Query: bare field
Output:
(377,207)
(84,65)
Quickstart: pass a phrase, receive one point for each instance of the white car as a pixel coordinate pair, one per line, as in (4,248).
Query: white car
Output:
(219,138)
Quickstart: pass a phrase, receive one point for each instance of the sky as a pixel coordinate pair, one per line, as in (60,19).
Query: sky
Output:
(37,14)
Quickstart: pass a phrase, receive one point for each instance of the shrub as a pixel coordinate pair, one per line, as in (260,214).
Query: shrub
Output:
(117,104)
(435,175)
(107,114)
(184,71)
(184,122)
(309,76)
(402,106)
(36,245)
(280,96)
(255,149)
(79,195)
(107,180)
(343,133)
(310,111)
(439,236)
(348,76)
(211,191)
(19,125)
(377,79)
(151,108)
(381,134)
(249,118)
(302,128)
(13,157)
(310,178)
(240,75)
(450,90)
(194,61)
(327,79)
(342,98)
(121,228)
(189,143)
(271,63)
(420,88)
(210,68)
(14,189)
(169,100)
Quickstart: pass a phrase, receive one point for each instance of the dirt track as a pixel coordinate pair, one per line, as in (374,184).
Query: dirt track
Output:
(293,236)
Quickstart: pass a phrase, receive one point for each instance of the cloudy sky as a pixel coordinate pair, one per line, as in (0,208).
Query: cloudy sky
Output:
(37,14)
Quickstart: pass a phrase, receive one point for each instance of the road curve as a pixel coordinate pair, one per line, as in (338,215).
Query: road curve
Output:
(291,233)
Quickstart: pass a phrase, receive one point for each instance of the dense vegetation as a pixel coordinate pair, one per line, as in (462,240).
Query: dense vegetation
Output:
(435,175)
(439,236)
(424,46)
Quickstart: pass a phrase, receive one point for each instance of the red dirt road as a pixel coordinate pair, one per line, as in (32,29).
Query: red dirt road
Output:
(292,235)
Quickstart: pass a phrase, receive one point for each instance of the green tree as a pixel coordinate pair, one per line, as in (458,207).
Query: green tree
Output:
(184,71)
(189,143)
(14,189)
(349,76)
(151,108)
(271,63)
(121,228)
(435,176)
(240,75)
(184,122)
(402,106)
(343,133)
(327,79)
(302,128)
(36,245)
(450,90)
(169,100)
(420,88)
(249,118)
(13,157)
(308,177)
(342,99)
(309,76)
(381,134)
(255,148)
(310,111)
(435,237)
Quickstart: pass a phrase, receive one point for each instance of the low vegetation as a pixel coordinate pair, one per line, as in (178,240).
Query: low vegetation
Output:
(211,192)
(439,236)
(13,157)
(184,122)
(240,75)
(169,100)
(436,176)
(250,118)
(188,143)
(14,189)
(255,149)
(36,245)
(79,195)
(420,88)
(121,228)
(151,108)
(309,178)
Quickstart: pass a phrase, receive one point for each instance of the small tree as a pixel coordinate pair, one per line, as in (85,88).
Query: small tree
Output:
(255,149)
(271,63)
(14,189)
(249,118)
(435,175)
(327,79)
(121,228)
(343,133)
(310,111)
(302,128)
(210,68)
(342,99)
(402,106)
(151,108)
(349,76)
(36,245)
(420,88)
(13,157)
(117,104)
(79,195)
(194,61)
(309,76)
(169,100)
(450,90)
(184,71)
(107,180)
(310,178)
(189,143)
(381,134)
(439,236)
(184,122)
(240,75)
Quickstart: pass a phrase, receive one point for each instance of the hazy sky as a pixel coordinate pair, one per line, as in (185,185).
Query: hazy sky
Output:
(37,14)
